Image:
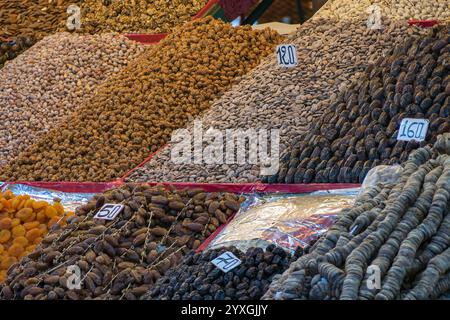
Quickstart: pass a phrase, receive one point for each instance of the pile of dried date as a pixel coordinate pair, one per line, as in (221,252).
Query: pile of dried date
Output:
(9,49)
(361,129)
(393,244)
(197,278)
(123,257)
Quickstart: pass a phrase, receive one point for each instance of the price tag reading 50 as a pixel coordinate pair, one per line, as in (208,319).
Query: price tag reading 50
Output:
(413,129)
(287,55)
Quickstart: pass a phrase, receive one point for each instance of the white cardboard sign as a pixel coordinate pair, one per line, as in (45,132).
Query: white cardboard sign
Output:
(226,261)
(287,55)
(109,211)
(413,129)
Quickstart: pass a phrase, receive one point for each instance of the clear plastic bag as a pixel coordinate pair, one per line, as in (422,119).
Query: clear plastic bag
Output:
(381,175)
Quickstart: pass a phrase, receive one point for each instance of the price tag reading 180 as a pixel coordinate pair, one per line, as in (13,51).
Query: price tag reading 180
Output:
(109,211)
(287,55)
(413,129)
(226,261)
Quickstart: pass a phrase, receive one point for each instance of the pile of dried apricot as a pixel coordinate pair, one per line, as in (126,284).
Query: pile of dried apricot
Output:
(23,224)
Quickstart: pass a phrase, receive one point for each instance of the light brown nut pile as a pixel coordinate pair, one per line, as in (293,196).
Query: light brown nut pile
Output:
(134,112)
(158,16)
(120,258)
(393,244)
(50,80)
(330,53)
(389,9)
(36,18)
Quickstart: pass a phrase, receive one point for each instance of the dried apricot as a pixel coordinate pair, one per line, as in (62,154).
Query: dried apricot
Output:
(5,235)
(39,205)
(32,234)
(41,217)
(15,222)
(50,212)
(6,223)
(26,214)
(21,240)
(16,250)
(29,204)
(37,240)
(53,221)
(30,248)
(31,225)
(6,262)
(2,248)
(59,208)
(18,231)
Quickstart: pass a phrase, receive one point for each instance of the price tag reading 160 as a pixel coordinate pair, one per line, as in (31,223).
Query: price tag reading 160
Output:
(413,129)
(287,55)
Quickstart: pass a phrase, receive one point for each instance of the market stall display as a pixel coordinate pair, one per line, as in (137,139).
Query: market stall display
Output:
(24,222)
(398,9)
(9,49)
(52,79)
(197,278)
(329,53)
(362,128)
(399,230)
(134,112)
(142,16)
(120,258)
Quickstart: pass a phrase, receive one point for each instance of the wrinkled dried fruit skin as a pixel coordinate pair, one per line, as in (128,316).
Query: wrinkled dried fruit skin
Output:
(119,259)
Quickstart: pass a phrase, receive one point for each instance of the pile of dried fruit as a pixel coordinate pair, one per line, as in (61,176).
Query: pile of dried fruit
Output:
(134,112)
(393,244)
(158,16)
(69,68)
(272,97)
(196,278)
(23,224)
(361,129)
(123,257)
(35,18)
(398,9)
(9,49)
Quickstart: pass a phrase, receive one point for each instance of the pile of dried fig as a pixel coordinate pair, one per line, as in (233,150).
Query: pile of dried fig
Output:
(196,278)
(393,244)
(123,257)
(134,113)
(360,131)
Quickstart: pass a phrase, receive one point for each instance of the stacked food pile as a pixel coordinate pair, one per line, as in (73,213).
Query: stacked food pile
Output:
(362,128)
(24,222)
(197,278)
(135,112)
(393,244)
(9,49)
(49,81)
(119,258)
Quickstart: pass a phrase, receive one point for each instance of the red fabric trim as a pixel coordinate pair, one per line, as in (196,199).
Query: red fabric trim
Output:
(213,235)
(423,23)
(146,39)
(208,6)
(143,162)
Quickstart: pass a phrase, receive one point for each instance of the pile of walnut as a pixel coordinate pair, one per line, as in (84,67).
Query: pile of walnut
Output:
(134,113)
(393,244)
(23,224)
(360,131)
(123,257)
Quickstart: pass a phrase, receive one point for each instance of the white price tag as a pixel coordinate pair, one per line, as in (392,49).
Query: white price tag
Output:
(109,211)
(287,55)
(226,261)
(413,129)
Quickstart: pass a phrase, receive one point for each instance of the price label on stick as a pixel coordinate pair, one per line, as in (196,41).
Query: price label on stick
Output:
(413,129)
(287,55)
(226,261)
(109,211)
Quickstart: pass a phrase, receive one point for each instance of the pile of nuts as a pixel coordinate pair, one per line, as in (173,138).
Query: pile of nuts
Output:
(361,129)
(123,257)
(196,278)
(69,68)
(158,16)
(23,224)
(398,232)
(9,49)
(289,99)
(397,10)
(33,18)
(135,112)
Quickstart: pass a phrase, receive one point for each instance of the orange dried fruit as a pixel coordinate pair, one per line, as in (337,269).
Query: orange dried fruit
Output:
(7,262)
(32,234)
(29,203)
(15,222)
(30,248)
(25,214)
(31,225)
(50,212)
(16,250)
(2,248)
(59,208)
(5,235)
(21,240)
(18,231)
(53,221)
(39,205)
(37,240)
(41,217)
(6,223)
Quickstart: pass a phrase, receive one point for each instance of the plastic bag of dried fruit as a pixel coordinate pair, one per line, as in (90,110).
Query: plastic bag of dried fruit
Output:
(286,220)
(381,175)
